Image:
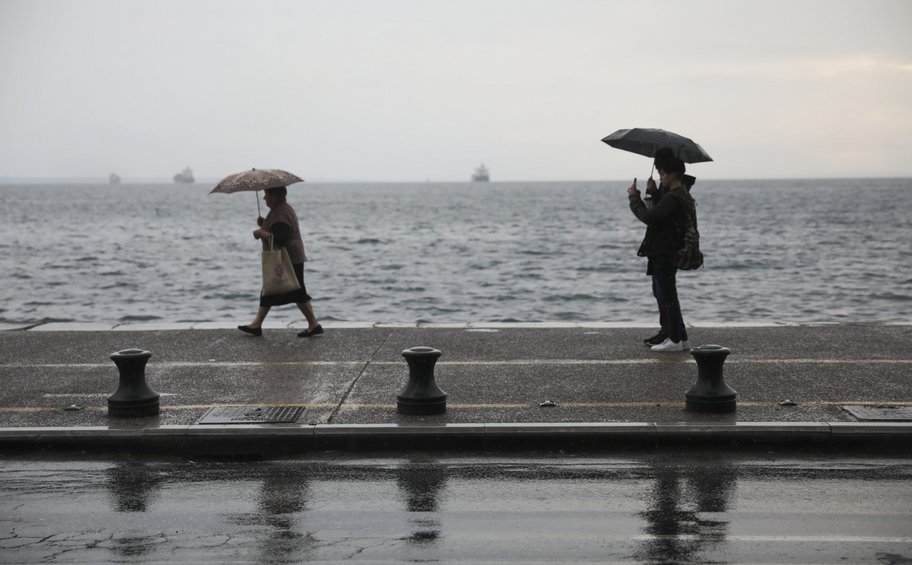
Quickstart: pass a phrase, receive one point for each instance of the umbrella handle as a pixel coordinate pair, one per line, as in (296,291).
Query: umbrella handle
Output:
(257,192)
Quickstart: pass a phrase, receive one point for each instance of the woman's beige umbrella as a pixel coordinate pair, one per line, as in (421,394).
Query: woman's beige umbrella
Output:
(255,180)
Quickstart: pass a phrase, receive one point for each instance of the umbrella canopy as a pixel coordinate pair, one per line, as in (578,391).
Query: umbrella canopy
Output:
(645,141)
(256,179)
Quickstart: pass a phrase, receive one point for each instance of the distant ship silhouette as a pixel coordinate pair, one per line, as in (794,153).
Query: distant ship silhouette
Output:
(481,174)
(185,176)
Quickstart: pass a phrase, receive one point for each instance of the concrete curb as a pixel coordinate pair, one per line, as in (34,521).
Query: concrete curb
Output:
(292,438)
(297,325)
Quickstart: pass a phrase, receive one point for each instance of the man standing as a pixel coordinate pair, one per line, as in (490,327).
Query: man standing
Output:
(665,222)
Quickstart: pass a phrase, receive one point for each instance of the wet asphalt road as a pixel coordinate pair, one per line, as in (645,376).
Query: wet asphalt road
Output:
(758,507)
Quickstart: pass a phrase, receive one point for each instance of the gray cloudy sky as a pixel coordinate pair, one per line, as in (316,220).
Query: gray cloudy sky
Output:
(414,90)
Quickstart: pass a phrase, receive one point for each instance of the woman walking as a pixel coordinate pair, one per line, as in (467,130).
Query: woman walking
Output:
(281,224)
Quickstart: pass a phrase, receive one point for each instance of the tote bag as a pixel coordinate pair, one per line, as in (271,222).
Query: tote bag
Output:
(278,273)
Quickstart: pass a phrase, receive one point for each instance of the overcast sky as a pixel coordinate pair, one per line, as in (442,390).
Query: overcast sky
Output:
(415,90)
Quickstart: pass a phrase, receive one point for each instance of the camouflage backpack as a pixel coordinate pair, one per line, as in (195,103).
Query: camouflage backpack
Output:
(689,255)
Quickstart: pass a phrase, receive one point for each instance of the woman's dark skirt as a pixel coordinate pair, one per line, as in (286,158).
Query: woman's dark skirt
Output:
(293,297)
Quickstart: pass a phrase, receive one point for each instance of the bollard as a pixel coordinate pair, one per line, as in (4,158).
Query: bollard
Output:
(421,395)
(710,393)
(133,397)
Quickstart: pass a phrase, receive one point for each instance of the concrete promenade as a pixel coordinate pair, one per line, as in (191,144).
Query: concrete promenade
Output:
(794,383)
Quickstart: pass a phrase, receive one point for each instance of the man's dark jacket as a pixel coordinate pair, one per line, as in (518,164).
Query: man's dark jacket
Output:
(665,221)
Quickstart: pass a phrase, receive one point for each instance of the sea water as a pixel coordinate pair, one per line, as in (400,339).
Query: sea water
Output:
(801,251)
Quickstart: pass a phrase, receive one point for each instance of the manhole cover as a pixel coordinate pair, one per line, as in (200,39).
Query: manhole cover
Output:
(882,413)
(252,415)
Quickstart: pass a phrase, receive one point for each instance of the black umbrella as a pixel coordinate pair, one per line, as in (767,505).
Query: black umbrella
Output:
(645,141)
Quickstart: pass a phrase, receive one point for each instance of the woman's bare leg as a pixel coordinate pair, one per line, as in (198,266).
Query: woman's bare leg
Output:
(261,315)
(308,312)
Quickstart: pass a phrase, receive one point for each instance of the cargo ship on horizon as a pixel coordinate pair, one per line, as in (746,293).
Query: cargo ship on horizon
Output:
(481,174)
(185,176)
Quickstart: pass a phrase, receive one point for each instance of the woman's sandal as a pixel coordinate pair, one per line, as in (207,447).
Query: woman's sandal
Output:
(310,333)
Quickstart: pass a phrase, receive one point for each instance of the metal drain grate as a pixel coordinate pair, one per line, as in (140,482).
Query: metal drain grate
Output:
(881,413)
(252,415)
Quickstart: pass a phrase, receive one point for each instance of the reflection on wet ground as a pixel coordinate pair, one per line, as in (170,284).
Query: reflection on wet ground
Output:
(675,507)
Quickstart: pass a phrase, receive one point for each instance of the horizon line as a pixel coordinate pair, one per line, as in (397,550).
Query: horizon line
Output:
(208,181)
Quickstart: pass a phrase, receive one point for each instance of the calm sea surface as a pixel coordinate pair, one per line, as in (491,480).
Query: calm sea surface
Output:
(792,251)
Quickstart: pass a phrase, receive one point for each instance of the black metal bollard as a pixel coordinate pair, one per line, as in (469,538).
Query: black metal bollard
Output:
(421,395)
(133,397)
(710,393)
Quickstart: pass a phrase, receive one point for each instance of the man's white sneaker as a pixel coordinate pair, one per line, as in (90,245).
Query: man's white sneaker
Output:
(669,345)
